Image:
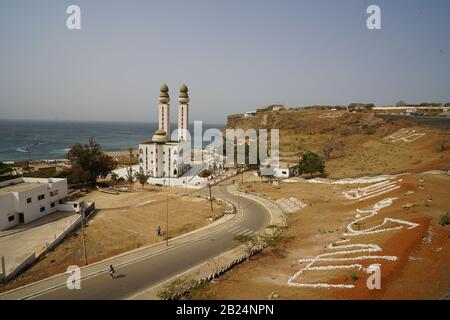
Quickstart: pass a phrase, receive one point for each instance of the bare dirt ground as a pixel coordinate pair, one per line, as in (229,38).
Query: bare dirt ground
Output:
(420,272)
(122,223)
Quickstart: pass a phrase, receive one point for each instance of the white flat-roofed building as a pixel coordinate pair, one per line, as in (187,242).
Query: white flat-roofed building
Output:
(24,200)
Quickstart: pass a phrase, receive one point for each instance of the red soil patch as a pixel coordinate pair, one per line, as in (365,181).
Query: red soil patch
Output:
(402,244)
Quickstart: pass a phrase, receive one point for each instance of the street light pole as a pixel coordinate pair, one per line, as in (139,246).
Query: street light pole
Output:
(167,221)
(210,197)
(83,239)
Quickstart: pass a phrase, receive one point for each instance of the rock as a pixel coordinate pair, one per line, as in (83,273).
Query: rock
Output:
(408,205)
(273,296)
(411,258)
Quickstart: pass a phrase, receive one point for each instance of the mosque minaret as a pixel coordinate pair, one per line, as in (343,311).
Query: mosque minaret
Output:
(164,109)
(183,113)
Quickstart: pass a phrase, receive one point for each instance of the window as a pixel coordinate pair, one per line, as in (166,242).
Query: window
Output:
(75,205)
(42,209)
(40,197)
(60,201)
(11,218)
(28,200)
(52,205)
(53,193)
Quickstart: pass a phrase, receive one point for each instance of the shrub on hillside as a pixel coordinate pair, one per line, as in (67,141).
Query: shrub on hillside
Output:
(370,130)
(444,219)
(345,131)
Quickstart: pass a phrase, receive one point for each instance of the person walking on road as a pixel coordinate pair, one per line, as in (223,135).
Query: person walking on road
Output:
(158,231)
(112,271)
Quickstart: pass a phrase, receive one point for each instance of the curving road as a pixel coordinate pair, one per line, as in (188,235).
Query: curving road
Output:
(163,262)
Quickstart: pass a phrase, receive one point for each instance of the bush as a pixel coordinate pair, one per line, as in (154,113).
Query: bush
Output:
(371,130)
(345,131)
(354,276)
(444,220)
(204,173)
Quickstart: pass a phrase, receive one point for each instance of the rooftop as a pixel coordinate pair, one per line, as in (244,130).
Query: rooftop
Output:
(172,143)
(18,187)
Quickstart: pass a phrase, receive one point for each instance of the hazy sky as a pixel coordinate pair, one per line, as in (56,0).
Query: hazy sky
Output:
(233,55)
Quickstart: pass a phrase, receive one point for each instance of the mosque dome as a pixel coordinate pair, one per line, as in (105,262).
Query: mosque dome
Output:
(183,97)
(160,136)
(164,88)
(164,94)
(183,88)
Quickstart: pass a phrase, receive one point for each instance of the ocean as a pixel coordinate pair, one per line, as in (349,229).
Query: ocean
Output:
(48,140)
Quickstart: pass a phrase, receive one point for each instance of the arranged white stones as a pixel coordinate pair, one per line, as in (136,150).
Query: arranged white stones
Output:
(373,190)
(290,205)
(366,250)
(405,135)
(332,114)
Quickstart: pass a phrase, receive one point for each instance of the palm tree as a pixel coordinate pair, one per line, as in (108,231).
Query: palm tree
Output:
(130,150)
(130,177)
(142,177)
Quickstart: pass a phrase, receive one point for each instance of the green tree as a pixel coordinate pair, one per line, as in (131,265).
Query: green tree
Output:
(4,168)
(311,163)
(142,177)
(89,162)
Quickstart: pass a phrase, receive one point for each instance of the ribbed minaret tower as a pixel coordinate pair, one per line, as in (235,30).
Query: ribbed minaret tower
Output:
(183,113)
(164,111)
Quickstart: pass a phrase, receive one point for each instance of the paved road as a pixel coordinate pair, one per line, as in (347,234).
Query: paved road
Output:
(139,276)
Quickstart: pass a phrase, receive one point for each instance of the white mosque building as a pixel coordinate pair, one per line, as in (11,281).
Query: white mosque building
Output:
(162,157)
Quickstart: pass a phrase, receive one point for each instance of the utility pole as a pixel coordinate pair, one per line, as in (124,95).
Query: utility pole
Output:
(210,197)
(168,157)
(167,221)
(83,239)
(3,269)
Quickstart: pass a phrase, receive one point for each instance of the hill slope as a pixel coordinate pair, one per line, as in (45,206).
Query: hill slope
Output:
(354,144)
